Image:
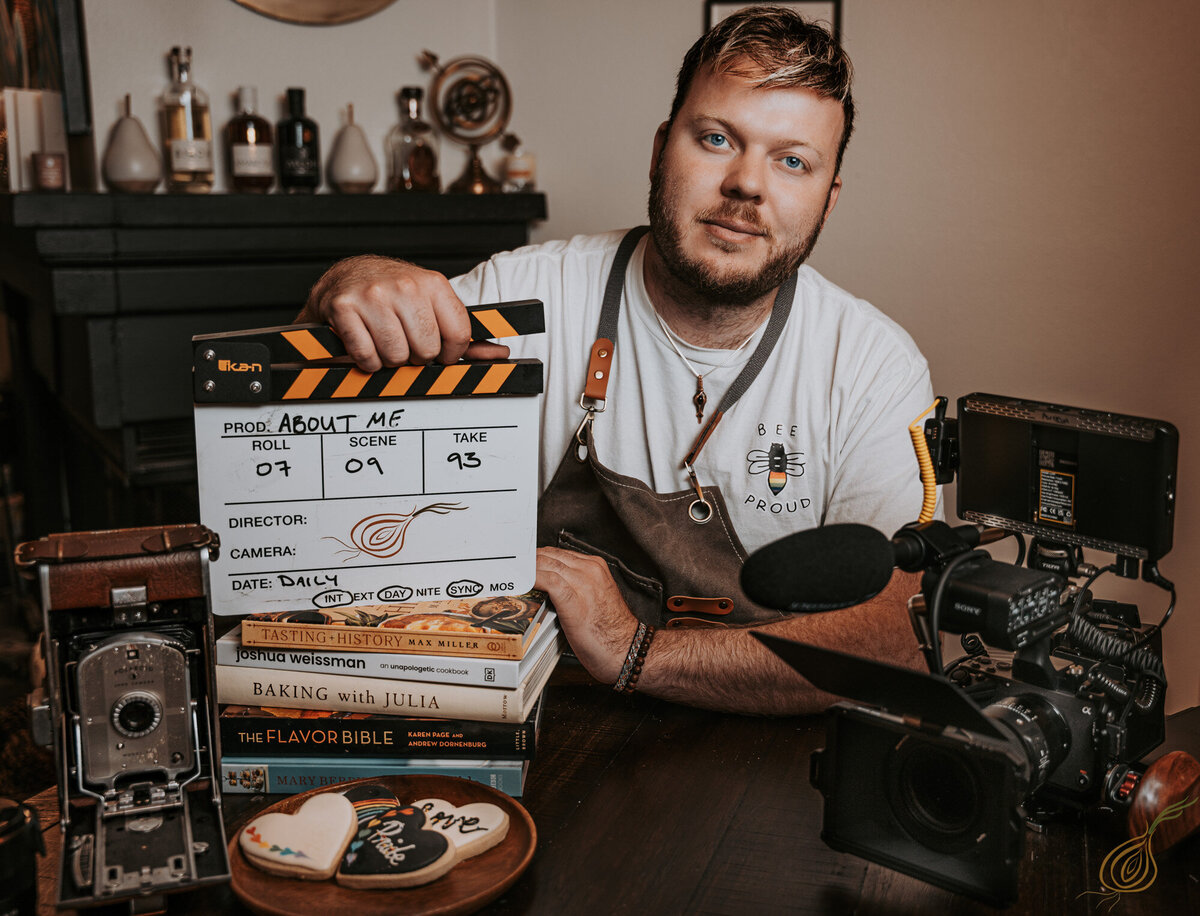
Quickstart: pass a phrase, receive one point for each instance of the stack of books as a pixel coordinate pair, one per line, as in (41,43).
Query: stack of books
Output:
(313,698)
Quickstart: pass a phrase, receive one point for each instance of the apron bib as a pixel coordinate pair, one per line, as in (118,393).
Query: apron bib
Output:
(674,556)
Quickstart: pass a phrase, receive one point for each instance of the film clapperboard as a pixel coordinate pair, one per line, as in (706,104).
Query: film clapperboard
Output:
(332,487)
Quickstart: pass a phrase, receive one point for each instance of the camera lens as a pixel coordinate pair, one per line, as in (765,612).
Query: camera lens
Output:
(935,794)
(135,715)
(1039,727)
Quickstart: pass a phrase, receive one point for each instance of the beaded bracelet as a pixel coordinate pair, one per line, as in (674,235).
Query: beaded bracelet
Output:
(634,658)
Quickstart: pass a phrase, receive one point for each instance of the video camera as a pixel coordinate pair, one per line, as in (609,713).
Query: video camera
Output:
(1058,694)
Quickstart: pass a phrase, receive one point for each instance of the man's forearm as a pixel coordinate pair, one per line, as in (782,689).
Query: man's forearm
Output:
(731,671)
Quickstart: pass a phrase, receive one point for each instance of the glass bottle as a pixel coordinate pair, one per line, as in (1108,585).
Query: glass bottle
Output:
(299,148)
(187,129)
(520,165)
(251,153)
(411,148)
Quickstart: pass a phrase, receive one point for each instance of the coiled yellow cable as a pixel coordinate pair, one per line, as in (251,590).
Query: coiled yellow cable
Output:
(925,463)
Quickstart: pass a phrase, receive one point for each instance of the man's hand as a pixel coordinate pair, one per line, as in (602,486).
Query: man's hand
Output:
(593,615)
(392,313)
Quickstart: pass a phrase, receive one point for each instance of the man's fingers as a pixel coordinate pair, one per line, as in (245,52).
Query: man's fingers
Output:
(482,350)
(389,313)
(422,333)
(393,314)
(575,568)
(454,327)
(358,340)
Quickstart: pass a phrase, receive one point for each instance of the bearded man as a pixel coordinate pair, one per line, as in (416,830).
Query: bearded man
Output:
(744,397)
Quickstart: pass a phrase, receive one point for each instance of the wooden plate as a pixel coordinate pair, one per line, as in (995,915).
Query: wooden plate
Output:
(469,885)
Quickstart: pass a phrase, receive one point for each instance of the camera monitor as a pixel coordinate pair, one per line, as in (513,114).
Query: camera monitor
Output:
(1068,475)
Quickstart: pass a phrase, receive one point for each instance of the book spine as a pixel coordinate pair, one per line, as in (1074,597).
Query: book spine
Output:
(265,633)
(244,736)
(267,775)
(434,669)
(347,693)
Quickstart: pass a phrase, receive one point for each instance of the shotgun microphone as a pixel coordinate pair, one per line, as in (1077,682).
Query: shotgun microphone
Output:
(837,566)
(821,569)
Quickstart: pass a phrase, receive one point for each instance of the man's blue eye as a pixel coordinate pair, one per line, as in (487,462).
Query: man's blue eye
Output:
(716,139)
(793,162)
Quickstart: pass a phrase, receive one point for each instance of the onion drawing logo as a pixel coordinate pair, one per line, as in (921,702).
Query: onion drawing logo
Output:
(382,536)
(1130,868)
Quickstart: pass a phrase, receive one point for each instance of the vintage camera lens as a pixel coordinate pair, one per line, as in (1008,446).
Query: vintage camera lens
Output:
(936,794)
(135,715)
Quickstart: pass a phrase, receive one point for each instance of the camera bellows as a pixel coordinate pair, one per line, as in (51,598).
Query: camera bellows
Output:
(821,569)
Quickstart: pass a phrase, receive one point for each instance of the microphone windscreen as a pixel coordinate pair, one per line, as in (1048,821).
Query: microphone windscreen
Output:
(821,569)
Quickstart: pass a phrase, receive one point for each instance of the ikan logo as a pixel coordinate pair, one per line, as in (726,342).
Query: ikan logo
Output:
(225,365)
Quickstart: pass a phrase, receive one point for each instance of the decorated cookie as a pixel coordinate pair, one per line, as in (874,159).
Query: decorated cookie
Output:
(473,828)
(307,844)
(391,846)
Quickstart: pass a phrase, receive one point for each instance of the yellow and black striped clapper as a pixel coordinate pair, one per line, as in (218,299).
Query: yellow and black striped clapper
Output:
(308,363)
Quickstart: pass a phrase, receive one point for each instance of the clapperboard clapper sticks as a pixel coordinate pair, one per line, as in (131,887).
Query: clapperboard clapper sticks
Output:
(331,487)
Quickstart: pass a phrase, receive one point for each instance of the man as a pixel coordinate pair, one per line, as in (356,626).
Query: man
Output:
(649,504)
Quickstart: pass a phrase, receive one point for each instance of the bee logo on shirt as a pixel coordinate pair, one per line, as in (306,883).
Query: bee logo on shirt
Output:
(777,464)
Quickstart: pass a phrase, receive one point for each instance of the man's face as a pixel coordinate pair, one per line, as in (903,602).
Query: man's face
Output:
(742,184)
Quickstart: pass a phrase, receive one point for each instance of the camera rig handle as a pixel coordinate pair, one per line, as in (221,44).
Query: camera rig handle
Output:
(1171,781)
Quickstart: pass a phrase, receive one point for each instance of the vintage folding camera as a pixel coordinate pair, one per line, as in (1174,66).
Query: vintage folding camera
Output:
(128,706)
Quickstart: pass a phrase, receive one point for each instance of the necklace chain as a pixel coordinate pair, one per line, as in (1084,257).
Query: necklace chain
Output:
(700,398)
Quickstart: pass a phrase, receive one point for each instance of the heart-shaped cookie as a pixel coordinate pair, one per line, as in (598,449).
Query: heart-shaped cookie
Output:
(391,847)
(472,828)
(307,844)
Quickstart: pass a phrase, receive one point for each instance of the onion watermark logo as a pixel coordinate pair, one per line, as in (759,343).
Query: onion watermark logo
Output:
(382,536)
(1130,868)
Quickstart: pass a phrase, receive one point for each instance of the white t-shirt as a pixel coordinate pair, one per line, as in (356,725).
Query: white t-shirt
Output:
(833,401)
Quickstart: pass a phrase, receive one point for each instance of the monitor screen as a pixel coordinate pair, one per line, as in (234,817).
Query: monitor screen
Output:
(1068,475)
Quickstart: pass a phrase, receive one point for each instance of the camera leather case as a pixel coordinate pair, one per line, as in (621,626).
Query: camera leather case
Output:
(128,706)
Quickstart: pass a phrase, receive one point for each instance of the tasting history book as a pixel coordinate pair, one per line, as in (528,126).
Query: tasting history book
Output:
(252,731)
(438,669)
(349,693)
(289,775)
(498,627)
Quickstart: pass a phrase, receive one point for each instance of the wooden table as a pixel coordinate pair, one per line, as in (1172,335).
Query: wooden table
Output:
(649,808)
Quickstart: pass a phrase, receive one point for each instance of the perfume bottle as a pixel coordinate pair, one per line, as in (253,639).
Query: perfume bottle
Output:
(299,148)
(187,129)
(248,138)
(411,148)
